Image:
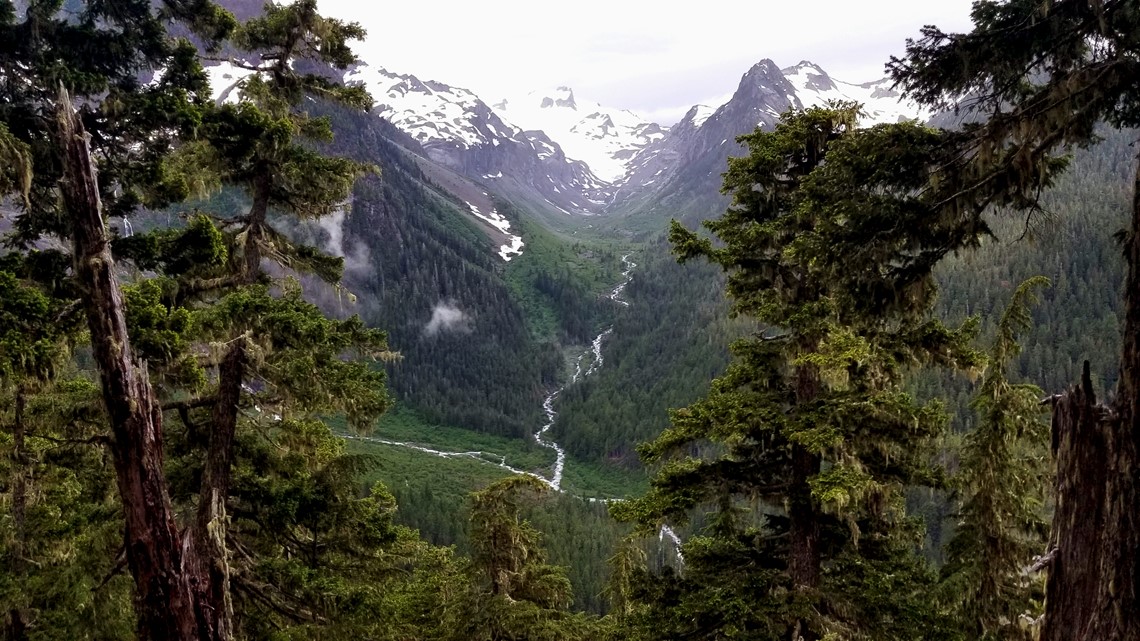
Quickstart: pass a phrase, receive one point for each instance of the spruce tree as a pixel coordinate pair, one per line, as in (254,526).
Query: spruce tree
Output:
(803,447)
(1040,78)
(514,593)
(1001,488)
(156,342)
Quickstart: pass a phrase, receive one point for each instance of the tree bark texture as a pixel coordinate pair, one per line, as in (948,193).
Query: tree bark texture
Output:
(1094,580)
(1080,448)
(804,560)
(258,210)
(212,520)
(163,566)
(1094,583)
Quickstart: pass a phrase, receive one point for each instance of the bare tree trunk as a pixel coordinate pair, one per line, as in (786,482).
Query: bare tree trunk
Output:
(1117,613)
(1094,584)
(212,520)
(1080,431)
(162,566)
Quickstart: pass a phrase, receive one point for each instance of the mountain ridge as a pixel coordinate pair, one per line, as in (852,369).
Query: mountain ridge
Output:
(583,158)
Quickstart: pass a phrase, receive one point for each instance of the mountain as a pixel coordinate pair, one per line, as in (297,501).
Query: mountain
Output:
(685,165)
(559,157)
(608,140)
(459,131)
(679,175)
(556,153)
(881,103)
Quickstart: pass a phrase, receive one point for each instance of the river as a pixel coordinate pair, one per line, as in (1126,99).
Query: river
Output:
(554,481)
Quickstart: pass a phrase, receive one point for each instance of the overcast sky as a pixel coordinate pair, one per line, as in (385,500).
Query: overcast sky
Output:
(655,58)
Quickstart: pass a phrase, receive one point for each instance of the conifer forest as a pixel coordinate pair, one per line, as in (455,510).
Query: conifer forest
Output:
(273,368)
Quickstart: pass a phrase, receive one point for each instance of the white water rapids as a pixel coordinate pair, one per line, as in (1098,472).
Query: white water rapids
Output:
(594,351)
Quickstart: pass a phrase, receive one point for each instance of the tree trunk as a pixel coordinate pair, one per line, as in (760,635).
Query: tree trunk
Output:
(212,521)
(1093,581)
(163,568)
(803,513)
(804,563)
(1116,616)
(257,213)
(16,628)
(1081,432)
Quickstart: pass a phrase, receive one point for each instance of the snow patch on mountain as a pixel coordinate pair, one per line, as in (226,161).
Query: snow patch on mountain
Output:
(605,139)
(881,104)
(429,111)
(700,114)
(226,79)
(513,246)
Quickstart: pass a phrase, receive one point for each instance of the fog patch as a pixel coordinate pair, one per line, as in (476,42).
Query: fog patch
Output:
(358,260)
(447,317)
(334,227)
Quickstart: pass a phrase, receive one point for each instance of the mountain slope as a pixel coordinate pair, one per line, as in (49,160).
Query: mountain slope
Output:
(456,129)
(682,171)
(606,139)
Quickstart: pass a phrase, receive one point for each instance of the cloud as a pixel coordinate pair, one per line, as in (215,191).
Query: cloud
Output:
(334,227)
(358,261)
(446,317)
(607,51)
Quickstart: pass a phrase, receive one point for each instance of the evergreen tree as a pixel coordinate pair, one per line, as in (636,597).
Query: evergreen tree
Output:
(515,593)
(1001,488)
(1040,77)
(804,446)
(150,145)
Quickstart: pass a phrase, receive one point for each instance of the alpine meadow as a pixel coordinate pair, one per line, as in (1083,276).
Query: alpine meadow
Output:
(294,346)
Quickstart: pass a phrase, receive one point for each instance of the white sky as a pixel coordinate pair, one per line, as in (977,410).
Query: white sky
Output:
(655,58)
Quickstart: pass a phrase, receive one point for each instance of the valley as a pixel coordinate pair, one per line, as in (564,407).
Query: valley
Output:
(670,338)
(295,344)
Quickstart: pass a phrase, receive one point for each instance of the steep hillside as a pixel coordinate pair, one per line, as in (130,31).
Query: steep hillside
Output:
(607,140)
(458,130)
(435,277)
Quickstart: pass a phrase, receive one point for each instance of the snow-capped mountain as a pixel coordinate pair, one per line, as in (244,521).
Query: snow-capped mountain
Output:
(552,153)
(691,157)
(683,169)
(585,158)
(881,104)
(459,131)
(606,139)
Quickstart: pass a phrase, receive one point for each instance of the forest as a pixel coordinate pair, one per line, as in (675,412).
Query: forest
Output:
(887,388)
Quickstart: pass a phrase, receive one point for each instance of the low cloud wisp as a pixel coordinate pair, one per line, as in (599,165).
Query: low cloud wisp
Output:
(447,317)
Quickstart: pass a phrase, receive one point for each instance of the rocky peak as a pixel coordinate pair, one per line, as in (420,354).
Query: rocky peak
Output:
(764,82)
(815,78)
(564,97)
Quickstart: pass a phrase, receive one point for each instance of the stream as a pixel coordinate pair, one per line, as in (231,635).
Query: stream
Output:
(554,481)
(595,351)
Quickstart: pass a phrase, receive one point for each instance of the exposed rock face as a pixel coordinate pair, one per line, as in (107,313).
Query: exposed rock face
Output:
(606,139)
(691,158)
(456,129)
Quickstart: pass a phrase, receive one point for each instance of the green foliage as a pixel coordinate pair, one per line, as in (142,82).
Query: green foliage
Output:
(1001,488)
(312,363)
(663,351)
(558,283)
(803,448)
(197,250)
(71,528)
(521,596)
(411,251)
